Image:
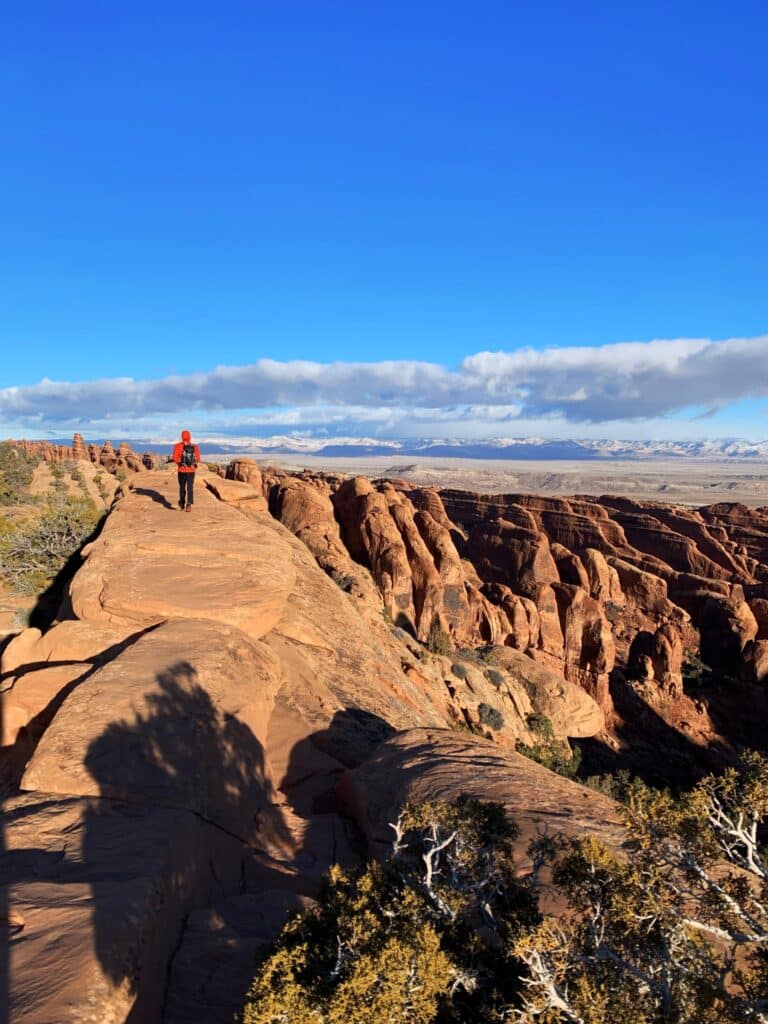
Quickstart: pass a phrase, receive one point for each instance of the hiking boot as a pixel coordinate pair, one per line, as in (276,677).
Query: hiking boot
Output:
(188,508)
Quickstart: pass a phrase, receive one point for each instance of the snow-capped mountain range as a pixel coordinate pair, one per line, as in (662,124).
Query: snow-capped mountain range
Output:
(528,448)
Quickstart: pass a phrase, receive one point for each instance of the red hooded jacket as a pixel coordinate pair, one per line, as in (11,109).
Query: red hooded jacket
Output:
(186,438)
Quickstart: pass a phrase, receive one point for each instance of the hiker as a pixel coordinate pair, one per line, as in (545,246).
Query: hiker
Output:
(186,456)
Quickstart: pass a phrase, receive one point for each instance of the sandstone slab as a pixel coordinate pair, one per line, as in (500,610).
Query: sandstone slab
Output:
(429,764)
(151,563)
(100,891)
(178,720)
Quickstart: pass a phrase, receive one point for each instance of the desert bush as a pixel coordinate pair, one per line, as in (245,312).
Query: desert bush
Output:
(495,677)
(613,611)
(101,487)
(459,670)
(552,753)
(77,475)
(16,470)
(540,724)
(342,580)
(33,550)
(490,716)
(438,641)
(670,934)
(399,941)
(446,931)
(696,673)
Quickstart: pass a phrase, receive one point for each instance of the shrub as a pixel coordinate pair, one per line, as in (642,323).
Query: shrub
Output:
(696,673)
(613,611)
(459,670)
(446,931)
(35,549)
(16,470)
(490,716)
(399,941)
(669,934)
(495,677)
(553,754)
(342,580)
(540,724)
(438,641)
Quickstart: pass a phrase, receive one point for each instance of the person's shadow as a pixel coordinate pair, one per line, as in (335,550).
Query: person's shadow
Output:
(156,496)
(184,791)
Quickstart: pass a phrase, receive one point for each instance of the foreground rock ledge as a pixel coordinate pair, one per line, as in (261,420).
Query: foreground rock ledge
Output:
(182,738)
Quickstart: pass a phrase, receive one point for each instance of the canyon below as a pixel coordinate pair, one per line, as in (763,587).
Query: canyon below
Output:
(227,703)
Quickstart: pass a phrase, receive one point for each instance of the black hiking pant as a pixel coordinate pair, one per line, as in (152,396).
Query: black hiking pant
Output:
(186,489)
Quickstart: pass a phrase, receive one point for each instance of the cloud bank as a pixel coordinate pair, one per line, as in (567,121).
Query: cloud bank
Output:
(606,384)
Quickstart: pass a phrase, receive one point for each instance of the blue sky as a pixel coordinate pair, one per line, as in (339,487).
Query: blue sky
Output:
(186,186)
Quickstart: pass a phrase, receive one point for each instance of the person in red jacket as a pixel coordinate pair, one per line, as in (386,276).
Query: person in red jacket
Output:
(186,456)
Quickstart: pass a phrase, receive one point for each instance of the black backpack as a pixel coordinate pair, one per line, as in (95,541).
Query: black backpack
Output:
(187,457)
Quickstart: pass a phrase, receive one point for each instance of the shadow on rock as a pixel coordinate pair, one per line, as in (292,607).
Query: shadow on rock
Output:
(156,496)
(191,784)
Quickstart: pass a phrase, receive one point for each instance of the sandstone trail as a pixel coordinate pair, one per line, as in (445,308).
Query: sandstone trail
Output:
(234,699)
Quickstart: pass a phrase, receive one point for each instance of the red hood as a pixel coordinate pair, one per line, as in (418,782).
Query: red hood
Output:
(186,437)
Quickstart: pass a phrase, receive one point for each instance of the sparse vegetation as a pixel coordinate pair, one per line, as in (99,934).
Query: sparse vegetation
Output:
(548,751)
(446,931)
(613,611)
(36,547)
(101,487)
(495,677)
(696,673)
(343,581)
(438,641)
(490,716)
(16,470)
(77,475)
(459,670)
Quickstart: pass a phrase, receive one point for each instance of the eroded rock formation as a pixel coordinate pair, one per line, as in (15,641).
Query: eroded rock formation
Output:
(104,456)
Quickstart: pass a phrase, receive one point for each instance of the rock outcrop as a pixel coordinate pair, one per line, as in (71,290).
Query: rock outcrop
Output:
(580,586)
(177,746)
(105,456)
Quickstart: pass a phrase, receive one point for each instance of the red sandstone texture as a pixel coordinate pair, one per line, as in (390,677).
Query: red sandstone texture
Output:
(593,589)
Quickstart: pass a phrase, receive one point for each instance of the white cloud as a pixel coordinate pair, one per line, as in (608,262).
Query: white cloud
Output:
(619,383)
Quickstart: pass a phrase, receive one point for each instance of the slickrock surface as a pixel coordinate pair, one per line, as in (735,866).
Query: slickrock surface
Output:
(433,764)
(177,751)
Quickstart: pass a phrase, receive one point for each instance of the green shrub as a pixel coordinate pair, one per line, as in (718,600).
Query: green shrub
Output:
(672,931)
(540,724)
(438,641)
(343,581)
(696,673)
(459,670)
(36,548)
(553,754)
(490,716)
(399,941)
(16,470)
